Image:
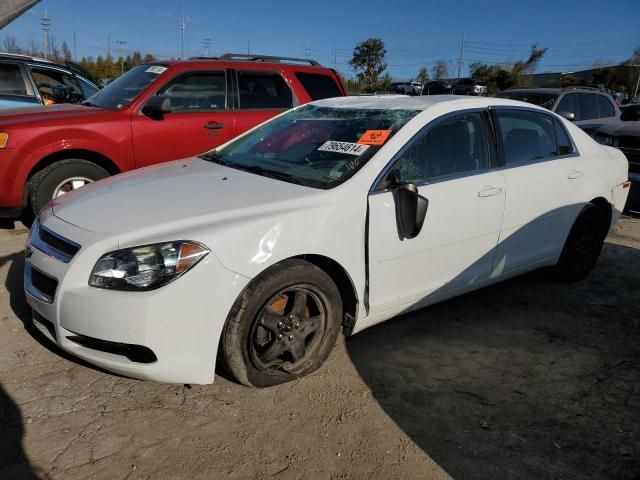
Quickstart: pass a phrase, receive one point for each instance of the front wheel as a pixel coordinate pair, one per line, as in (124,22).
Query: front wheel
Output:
(584,243)
(60,178)
(283,326)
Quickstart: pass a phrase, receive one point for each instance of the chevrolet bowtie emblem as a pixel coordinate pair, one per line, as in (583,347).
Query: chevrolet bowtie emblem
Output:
(28,251)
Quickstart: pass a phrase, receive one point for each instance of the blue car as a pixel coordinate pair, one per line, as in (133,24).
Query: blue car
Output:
(27,81)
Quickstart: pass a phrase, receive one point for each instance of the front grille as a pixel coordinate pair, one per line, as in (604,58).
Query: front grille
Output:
(44,283)
(58,243)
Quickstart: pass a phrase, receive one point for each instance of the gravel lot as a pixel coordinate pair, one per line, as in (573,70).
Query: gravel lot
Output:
(526,379)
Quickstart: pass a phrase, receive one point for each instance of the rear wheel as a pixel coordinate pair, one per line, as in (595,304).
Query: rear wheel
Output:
(584,243)
(283,326)
(60,178)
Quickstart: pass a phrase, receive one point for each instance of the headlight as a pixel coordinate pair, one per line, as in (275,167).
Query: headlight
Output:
(147,267)
(4,139)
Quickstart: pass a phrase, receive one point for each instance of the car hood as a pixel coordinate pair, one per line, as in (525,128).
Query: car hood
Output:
(170,196)
(53,113)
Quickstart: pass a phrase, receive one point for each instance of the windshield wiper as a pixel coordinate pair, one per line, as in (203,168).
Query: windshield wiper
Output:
(287,177)
(213,157)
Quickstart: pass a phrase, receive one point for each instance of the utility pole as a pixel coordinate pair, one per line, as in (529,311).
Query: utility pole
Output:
(335,58)
(461,56)
(307,49)
(108,45)
(183,27)
(248,47)
(206,44)
(122,43)
(46,24)
(75,47)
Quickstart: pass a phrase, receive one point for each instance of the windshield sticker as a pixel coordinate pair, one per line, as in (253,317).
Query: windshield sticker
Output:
(374,137)
(348,148)
(156,69)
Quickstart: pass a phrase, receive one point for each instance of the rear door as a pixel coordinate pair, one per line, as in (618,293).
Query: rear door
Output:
(543,173)
(260,95)
(201,119)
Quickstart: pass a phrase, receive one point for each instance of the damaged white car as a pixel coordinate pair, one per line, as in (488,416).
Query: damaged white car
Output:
(336,215)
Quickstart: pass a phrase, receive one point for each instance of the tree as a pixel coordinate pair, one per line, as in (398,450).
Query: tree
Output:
(440,70)
(385,83)
(136,58)
(423,76)
(148,58)
(10,44)
(501,77)
(368,62)
(66,52)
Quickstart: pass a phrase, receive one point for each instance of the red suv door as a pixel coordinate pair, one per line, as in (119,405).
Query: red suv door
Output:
(262,94)
(201,119)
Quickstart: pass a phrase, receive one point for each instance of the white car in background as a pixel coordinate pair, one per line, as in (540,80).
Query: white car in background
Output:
(341,213)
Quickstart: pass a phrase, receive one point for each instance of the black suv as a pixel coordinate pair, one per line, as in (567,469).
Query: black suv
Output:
(27,81)
(589,108)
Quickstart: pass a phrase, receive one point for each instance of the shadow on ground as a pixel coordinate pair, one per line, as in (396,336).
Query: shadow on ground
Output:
(526,379)
(13,462)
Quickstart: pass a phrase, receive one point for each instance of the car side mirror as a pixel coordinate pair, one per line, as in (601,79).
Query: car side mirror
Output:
(411,209)
(568,115)
(157,106)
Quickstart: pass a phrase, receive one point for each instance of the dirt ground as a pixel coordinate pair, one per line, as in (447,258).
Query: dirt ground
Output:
(526,379)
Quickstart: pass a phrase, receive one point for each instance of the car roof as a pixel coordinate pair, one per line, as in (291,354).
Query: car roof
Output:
(25,58)
(405,102)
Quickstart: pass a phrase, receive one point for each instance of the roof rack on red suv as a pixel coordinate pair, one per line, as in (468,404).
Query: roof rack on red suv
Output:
(261,58)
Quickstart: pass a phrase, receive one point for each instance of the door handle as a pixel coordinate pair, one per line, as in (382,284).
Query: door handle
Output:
(573,174)
(214,126)
(489,191)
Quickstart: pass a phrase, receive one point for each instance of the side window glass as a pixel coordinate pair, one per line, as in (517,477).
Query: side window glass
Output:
(605,107)
(569,104)
(263,90)
(454,146)
(319,86)
(197,92)
(565,146)
(56,87)
(588,106)
(11,81)
(87,89)
(526,136)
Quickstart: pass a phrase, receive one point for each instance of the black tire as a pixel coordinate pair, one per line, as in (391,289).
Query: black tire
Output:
(43,184)
(254,328)
(584,244)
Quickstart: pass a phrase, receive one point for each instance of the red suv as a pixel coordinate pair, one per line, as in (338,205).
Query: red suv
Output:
(154,113)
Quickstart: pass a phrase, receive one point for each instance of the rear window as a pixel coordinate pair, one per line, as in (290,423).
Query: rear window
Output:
(11,82)
(319,86)
(544,100)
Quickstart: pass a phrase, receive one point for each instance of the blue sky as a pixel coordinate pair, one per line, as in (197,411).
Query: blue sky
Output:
(416,33)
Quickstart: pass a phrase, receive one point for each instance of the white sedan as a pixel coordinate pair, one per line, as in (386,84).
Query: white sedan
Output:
(338,214)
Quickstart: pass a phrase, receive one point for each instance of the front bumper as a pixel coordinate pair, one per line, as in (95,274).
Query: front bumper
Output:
(169,335)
